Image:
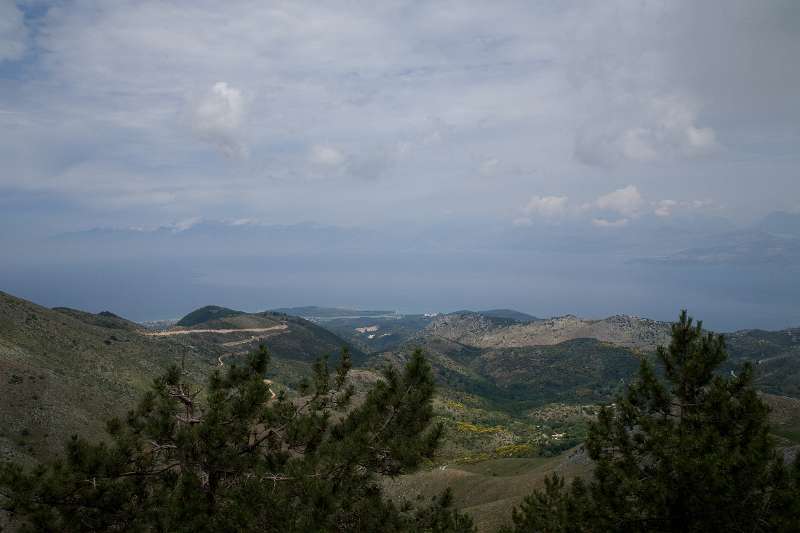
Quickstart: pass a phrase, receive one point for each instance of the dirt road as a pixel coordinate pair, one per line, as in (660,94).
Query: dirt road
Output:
(223,331)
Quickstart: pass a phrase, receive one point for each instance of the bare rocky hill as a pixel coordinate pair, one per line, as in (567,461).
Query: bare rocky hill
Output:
(482,332)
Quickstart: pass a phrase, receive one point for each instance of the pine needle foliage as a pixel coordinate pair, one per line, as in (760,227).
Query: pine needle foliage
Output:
(235,457)
(687,450)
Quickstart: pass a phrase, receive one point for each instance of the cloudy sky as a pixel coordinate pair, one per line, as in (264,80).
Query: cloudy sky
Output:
(615,117)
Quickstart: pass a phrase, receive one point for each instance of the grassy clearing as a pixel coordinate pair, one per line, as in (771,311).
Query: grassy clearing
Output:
(488,490)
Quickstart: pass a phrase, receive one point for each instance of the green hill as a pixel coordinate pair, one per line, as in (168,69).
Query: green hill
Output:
(64,371)
(206,314)
(300,340)
(489,490)
(377,334)
(776,355)
(306,341)
(104,319)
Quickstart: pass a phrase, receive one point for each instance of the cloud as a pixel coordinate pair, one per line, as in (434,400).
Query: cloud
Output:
(546,206)
(614,209)
(13,32)
(626,201)
(646,88)
(217,118)
(489,167)
(605,223)
(370,162)
(327,156)
(667,129)
(186,224)
(664,208)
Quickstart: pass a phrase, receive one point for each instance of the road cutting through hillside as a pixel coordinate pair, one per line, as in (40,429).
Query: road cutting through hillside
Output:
(223,331)
(220,362)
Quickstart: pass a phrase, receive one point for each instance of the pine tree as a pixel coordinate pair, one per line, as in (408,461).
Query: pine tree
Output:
(686,451)
(234,458)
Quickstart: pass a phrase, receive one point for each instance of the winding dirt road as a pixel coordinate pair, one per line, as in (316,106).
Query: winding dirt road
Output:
(223,331)
(220,362)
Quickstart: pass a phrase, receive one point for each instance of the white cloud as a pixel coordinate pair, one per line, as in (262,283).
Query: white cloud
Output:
(217,118)
(625,201)
(13,32)
(410,95)
(489,167)
(546,206)
(605,223)
(186,224)
(701,139)
(327,156)
(700,204)
(664,128)
(664,208)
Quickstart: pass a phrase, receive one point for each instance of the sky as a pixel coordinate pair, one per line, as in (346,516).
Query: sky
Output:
(479,137)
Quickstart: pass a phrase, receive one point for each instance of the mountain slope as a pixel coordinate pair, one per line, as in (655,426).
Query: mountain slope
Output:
(377,334)
(300,340)
(64,371)
(105,319)
(485,332)
(775,354)
(205,314)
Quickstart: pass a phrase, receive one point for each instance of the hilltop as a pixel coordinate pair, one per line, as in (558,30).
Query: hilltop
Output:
(512,314)
(205,314)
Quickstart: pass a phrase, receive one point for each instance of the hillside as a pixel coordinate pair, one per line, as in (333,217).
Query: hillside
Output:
(206,314)
(63,371)
(489,490)
(105,319)
(775,354)
(298,340)
(579,371)
(377,334)
(486,332)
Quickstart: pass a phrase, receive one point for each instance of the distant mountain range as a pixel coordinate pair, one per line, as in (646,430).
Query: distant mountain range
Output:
(328,313)
(699,239)
(773,240)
